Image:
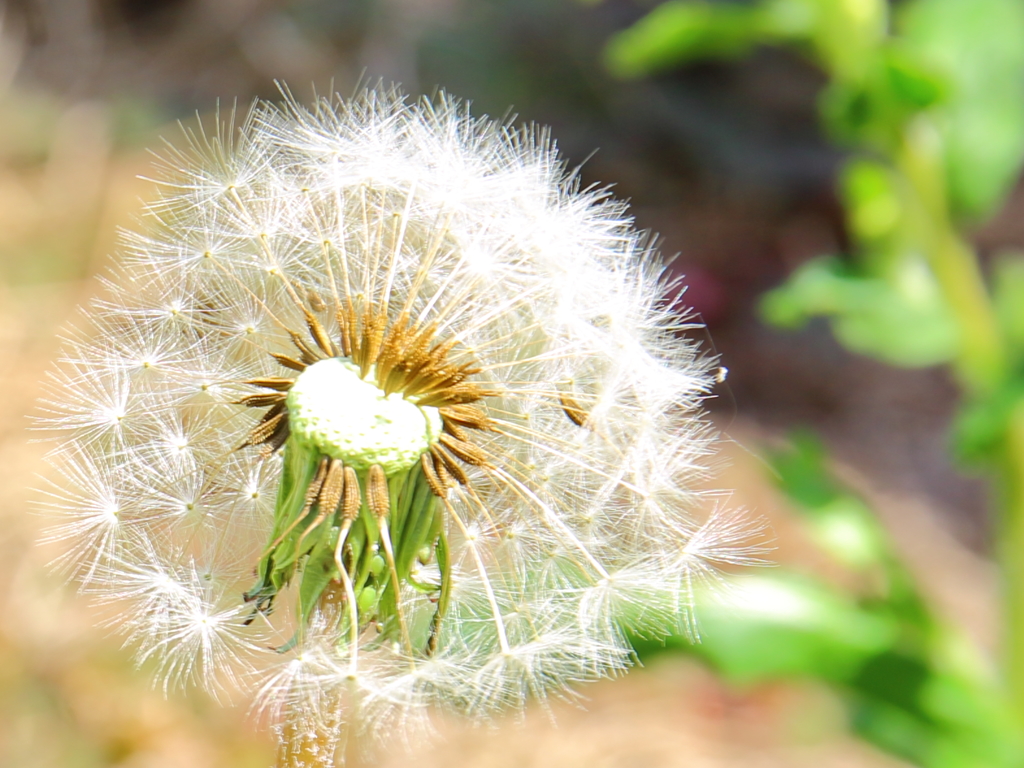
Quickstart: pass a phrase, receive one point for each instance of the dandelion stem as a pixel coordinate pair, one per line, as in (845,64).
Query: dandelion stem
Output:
(299,749)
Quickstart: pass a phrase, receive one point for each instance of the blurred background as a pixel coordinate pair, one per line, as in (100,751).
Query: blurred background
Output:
(775,143)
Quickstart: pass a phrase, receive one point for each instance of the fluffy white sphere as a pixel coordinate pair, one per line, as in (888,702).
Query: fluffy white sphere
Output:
(567,519)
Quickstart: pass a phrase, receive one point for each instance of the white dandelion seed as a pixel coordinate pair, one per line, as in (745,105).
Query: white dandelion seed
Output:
(382,413)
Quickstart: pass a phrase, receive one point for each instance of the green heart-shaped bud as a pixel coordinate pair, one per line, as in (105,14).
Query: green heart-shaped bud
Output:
(332,409)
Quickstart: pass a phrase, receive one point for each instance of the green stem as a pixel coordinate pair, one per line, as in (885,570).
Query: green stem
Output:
(981,362)
(1010,554)
(981,367)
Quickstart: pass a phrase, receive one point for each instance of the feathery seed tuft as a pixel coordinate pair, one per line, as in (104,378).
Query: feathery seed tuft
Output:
(381,412)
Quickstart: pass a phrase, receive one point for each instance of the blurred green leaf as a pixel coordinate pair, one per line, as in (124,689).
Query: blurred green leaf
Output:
(931,717)
(846,34)
(980,425)
(678,31)
(972,719)
(910,82)
(937,115)
(843,529)
(873,204)
(914,685)
(893,729)
(904,697)
(979,47)
(801,474)
(839,522)
(789,19)
(901,321)
(869,111)
(784,625)
(1008,297)
(850,114)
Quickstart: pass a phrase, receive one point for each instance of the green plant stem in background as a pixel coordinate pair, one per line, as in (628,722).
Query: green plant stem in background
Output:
(301,749)
(980,360)
(928,97)
(1010,554)
(981,368)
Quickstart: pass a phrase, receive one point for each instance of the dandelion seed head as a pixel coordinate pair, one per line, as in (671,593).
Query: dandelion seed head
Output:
(393,360)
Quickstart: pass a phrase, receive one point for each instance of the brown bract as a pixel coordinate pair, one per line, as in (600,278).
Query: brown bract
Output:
(400,357)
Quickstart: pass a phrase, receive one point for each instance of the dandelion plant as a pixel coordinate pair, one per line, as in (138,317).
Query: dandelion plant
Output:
(382,412)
